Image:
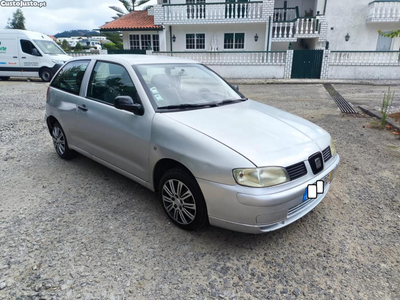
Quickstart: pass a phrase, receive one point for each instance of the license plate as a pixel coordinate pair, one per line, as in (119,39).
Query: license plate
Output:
(327,179)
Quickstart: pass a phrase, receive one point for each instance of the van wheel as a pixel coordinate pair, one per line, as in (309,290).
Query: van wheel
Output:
(4,78)
(60,142)
(182,199)
(46,74)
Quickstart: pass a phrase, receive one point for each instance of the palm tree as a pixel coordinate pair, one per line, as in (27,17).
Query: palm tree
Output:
(129,7)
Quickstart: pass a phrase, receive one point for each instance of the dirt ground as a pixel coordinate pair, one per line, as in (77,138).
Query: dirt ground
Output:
(77,230)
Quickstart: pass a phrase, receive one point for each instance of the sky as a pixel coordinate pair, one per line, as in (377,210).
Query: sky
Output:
(61,15)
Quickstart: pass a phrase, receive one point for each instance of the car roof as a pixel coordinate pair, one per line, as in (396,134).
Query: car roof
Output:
(135,59)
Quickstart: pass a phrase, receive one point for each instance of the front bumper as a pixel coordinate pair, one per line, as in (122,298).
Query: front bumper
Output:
(253,210)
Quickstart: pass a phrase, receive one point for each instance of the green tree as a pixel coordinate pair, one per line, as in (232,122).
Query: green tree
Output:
(129,6)
(17,21)
(65,46)
(78,47)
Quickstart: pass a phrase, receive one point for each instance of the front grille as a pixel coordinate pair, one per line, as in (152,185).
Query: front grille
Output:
(296,171)
(316,162)
(327,154)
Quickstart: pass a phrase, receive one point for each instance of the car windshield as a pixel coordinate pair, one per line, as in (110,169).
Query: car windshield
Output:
(48,47)
(175,86)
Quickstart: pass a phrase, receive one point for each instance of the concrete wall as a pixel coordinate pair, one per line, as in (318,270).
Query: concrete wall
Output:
(250,72)
(364,72)
(349,17)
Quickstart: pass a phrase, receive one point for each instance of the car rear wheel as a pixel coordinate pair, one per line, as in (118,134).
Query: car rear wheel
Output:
(60,142)
(182,199)
(4,78)
(46,74)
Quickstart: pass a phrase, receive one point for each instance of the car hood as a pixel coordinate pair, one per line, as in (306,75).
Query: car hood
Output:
(62,57)
(264,135)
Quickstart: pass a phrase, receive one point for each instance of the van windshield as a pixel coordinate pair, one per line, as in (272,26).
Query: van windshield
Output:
(48,47)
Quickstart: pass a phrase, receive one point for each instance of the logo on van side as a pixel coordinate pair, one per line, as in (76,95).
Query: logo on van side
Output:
(3,49)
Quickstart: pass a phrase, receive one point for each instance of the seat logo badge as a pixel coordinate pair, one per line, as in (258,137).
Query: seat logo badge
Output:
(318,163)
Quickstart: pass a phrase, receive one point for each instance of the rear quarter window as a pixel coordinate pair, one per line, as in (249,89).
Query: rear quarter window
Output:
(70,77)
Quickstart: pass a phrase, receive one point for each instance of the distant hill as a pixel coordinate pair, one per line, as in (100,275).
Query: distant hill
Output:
(76,32)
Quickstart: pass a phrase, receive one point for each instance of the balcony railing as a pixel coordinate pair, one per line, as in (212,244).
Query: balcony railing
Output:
(365,58)
(288,14)
(301,28)
(232,57)
(221,11)
(384,11)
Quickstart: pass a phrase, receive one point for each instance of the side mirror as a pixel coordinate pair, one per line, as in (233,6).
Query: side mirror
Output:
(35,52)
(126,103)
(236,87)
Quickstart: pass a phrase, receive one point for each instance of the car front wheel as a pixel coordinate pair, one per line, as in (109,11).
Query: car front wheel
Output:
(182,199)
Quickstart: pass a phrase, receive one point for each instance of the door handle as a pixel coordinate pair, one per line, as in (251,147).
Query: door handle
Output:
(23,57)
(15,56)
(82,107)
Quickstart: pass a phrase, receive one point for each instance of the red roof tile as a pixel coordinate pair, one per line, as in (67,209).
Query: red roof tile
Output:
(134,20)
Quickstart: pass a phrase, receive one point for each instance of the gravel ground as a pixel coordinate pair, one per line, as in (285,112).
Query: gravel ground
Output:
(77,230)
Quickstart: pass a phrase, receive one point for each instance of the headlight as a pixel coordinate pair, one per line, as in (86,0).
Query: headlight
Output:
(261,177)
(333,149)
(57,61)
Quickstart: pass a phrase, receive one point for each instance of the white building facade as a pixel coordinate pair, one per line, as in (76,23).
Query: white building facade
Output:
(325,39)
(271,25)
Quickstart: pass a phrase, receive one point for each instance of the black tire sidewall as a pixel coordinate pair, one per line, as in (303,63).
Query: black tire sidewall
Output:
(44,71)
(201,210)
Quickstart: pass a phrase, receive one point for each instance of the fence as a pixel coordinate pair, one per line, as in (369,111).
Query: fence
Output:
(78,54)
(365,58)
(232,57)
(212,11)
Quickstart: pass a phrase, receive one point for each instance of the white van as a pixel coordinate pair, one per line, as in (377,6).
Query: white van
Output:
(29,54)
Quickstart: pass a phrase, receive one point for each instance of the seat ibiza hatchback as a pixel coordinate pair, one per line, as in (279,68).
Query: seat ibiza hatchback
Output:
(177,128)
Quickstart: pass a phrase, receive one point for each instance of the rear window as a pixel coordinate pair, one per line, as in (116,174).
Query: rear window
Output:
(70,77)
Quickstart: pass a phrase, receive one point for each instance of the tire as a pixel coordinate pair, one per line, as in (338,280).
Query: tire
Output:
(4,78)
(46,74)
(182,199)
(60,142)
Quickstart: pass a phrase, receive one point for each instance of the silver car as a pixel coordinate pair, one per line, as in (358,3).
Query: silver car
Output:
(177,128)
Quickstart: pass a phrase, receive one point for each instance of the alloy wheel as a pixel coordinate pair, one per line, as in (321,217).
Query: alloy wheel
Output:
(179,201)
(58,140)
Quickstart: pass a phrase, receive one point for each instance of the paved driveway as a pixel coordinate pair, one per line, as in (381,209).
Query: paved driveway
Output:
(79,230)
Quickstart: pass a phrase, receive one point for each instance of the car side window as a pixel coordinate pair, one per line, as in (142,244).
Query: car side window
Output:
(109,81)
(70,77)
(27,47)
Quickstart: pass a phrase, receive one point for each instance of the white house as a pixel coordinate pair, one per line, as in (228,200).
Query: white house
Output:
(273,33)
(267,25)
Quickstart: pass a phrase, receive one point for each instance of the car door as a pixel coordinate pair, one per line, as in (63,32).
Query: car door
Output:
(64,95)
(9,61)
(30,63)
(116,136)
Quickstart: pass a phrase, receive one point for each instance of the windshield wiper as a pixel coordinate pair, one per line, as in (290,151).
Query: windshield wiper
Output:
(228,101)
(186,105)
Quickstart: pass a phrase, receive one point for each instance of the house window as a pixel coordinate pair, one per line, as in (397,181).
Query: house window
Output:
(156,43)
(234,41)
(144,41)
(134,40)
(384,43)
(195,41)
